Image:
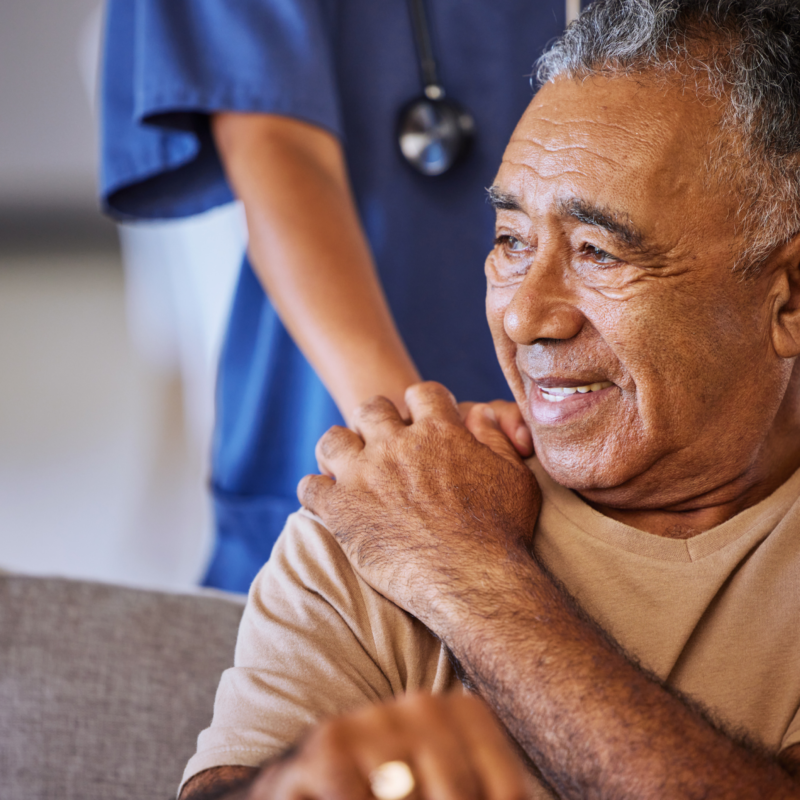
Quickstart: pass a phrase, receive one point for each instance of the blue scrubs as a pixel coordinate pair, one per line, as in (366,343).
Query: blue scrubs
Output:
(347,66)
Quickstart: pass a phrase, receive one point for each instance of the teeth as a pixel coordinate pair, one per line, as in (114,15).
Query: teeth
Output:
(558,394)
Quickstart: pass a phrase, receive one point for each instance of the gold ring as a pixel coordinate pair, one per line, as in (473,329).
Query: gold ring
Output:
(392,780)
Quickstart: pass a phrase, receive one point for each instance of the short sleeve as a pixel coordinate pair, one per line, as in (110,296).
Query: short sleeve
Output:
(315,641)
(168,64)
(792,735)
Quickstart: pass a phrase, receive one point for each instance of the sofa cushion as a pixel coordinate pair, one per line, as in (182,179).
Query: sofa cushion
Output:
(104,689)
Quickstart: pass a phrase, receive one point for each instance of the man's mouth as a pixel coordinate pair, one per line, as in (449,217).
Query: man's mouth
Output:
(557,394)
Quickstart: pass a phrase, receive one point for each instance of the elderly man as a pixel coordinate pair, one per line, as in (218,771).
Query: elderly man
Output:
(628,602)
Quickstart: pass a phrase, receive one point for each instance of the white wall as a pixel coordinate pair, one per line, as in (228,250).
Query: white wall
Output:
(47,134)
(99,477)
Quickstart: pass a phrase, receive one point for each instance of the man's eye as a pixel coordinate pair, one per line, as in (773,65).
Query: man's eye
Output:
(598,255)
(510,244)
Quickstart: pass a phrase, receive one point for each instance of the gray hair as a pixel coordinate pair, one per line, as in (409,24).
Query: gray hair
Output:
(746,52)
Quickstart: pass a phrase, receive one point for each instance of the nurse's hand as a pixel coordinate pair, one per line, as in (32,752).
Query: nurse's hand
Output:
(508,418)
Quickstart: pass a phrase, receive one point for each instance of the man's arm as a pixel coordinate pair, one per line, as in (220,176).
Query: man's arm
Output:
(220,783)
(309,251)
(592,721)
(453,548)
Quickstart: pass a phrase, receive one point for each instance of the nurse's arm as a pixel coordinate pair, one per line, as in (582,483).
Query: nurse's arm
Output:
(310,254)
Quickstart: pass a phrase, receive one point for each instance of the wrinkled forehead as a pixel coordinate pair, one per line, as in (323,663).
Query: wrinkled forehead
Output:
(612,137)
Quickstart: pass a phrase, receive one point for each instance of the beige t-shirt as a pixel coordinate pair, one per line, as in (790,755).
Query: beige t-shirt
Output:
(717,615)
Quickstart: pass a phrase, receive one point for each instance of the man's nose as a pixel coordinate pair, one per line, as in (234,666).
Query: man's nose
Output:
(544,306)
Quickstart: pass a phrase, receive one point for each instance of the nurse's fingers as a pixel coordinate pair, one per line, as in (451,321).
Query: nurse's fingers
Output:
(509,417)
(483,424)
(431,399)
(335,447)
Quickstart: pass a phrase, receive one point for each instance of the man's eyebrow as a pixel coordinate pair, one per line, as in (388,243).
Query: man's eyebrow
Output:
(578,209)
(500,200)
(589,214)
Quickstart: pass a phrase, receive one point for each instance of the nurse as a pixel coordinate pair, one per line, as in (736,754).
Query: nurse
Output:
(293,106)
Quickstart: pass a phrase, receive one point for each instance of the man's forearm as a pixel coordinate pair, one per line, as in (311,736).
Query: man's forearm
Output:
(595,724)
(220,783)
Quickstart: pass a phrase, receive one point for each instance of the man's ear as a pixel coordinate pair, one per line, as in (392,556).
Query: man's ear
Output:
(786,303)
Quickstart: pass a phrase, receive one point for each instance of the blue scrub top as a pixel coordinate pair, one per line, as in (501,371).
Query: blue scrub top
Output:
(347,66)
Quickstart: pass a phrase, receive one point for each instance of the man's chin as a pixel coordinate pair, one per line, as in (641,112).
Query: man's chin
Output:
(607,477)
(587,469)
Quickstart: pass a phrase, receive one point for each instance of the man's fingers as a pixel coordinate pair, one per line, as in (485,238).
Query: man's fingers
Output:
(313,492)
(500,770)
(376,413)
(324,770)
(441,747)
(418,730)
(483,424)
(431,399)
(336,443)
(443,765)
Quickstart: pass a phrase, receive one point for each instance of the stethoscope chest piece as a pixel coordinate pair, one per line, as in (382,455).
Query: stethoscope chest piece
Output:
(434,134)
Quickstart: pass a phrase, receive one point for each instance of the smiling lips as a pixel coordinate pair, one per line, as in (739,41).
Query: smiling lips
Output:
(557,394)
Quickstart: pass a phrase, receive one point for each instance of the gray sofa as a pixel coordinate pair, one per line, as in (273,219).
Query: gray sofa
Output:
(104,689)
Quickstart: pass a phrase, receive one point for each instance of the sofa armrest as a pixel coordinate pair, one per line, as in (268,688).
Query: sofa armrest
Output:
(103,689)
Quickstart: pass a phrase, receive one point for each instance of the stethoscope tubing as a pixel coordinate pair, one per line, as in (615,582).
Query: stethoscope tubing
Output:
(433,132)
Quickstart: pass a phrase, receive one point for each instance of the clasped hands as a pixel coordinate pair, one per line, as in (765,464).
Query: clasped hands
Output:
(429,508)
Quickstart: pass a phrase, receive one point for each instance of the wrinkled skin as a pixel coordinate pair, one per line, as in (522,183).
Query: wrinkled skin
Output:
(613,266)
(388,466)
(699,361)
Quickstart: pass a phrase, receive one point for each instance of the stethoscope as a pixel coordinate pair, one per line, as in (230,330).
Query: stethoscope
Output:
(435,133)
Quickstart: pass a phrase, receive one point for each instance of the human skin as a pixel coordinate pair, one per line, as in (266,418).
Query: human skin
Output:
(309,251)
(698,423)
(456,745)
(686,347)
(614,263)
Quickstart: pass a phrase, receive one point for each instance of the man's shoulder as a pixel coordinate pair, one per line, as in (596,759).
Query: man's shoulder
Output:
(306,564)
(308,578)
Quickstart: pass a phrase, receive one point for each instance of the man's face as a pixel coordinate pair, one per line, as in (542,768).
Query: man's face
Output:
(612,272)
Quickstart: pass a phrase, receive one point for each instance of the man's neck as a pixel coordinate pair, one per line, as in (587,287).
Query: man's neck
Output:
(770,472)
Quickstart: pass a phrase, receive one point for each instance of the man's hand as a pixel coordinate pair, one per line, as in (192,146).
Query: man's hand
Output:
(424,506)
(452,744)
